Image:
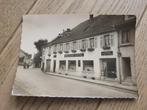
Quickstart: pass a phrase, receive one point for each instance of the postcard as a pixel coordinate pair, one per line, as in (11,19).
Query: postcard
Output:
(78,56)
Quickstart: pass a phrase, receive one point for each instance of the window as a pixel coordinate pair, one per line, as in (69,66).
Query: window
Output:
(108,67)
(61,47)
(67,46)
(62,65)
(106,41)
(125,37)
(88,66)
(91,42)
(49,50)
(74,45)
(55,48)
(84,44)
(72,65)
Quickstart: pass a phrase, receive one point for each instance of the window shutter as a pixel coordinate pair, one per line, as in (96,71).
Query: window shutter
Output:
(112,40)
(80,44)
(101,42)
(95,42)
(87,43)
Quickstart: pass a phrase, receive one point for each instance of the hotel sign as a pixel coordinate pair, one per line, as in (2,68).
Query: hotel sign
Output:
(74,55)
(107,53)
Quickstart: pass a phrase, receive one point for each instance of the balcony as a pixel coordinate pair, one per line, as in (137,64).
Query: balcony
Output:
(83,50)
(90,49)
(74,51)
(106,47)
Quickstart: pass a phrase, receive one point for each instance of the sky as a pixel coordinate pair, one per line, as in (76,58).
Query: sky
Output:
(37,27)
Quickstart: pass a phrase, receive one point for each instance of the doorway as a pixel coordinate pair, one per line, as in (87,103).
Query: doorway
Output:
(54,67)
(48,65)
(126,65)
(108,68)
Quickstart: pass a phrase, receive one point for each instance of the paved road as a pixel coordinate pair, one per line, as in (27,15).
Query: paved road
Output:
(36,83)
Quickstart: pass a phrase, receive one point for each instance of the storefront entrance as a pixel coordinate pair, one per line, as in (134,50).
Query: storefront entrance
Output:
(48,65)
(62,65)
(108,68)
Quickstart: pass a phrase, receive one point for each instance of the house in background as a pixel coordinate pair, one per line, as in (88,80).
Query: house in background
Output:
(23,56)
(100,48)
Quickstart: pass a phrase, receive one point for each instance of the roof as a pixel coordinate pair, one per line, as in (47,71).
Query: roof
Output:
(23,53)
(94,26)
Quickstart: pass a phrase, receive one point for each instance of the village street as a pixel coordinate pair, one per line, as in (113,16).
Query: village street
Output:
(33,82)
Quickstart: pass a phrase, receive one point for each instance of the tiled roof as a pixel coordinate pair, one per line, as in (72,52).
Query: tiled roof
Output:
(91,27)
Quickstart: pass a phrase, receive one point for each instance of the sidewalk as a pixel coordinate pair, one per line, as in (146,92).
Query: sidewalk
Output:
(113,84)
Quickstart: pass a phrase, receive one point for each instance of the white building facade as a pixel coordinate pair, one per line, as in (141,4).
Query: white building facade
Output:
(108,55)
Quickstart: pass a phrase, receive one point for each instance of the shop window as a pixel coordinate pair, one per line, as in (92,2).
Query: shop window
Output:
(62,65)
(108,68)
(88,66)
(72,65)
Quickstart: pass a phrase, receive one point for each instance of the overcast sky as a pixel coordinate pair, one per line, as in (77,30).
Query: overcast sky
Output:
(37,27)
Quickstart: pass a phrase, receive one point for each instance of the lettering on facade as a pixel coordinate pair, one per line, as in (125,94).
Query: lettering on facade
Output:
(107,53)
(74,55)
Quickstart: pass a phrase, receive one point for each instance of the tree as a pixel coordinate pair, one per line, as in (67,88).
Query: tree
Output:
(37,57)
(39,44)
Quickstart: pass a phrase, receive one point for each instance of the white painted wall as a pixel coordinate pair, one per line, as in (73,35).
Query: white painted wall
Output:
(94,55)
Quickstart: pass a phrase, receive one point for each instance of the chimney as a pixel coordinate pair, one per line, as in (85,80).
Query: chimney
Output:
(91,16)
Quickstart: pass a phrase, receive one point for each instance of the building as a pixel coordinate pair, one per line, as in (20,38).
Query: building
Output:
(23,56)
(100,48)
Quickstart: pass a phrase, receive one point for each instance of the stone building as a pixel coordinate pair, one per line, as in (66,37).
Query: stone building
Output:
(100,48)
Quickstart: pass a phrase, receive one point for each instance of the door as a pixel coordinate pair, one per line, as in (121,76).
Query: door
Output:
(108,67)
(48,65)
(126,67)
(54,67)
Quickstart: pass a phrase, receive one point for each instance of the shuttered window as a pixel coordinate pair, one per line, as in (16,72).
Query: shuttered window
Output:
(106,41)
(91,43)
(84,44)
(67,47)
(55,48)
(74,45)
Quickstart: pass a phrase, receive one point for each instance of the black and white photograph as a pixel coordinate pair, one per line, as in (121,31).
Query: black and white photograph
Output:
(78,56)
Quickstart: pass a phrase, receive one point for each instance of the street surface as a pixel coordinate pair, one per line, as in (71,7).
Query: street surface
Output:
(33,82)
